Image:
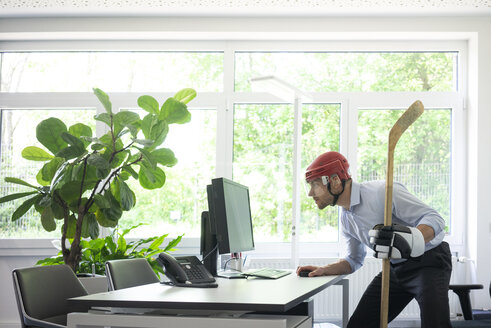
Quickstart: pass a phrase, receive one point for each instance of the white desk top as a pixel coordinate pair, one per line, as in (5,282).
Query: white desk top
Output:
(251,294)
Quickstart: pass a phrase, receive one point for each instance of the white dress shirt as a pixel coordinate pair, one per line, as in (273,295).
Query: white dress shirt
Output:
(367,210)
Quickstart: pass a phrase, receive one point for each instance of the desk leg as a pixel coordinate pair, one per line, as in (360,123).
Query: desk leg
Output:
(345,284)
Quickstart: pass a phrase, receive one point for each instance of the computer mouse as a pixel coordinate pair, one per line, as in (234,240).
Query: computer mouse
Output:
(304,273)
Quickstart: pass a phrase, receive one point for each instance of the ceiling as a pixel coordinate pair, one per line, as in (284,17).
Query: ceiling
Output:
(243,7)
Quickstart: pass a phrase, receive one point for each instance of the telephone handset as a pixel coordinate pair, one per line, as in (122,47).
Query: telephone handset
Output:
(186,271)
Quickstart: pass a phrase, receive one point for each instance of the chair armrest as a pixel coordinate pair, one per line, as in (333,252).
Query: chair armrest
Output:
(463,292)
(456,288)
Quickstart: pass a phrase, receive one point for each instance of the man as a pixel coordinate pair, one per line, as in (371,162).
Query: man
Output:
(420,260)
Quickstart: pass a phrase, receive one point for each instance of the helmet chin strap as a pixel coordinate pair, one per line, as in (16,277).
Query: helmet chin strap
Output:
(336,196)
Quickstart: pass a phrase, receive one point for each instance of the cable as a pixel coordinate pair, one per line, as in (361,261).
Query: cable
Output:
(209,253)
(226,262)
(230,259)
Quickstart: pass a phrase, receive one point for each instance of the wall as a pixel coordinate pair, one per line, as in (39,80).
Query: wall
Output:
(476,30)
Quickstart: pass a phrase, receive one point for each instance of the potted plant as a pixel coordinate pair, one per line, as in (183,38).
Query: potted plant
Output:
(96,252)
(82,183)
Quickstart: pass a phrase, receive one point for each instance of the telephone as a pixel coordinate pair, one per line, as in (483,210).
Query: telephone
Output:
(186,271)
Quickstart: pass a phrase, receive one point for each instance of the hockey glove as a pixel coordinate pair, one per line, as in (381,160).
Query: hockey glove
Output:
(396,241)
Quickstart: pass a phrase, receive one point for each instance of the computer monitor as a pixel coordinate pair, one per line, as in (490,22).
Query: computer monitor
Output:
(228,223)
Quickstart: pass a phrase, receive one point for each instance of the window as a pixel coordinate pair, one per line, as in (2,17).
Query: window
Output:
(357,94)
(357,81)
(351,71)
(178,205)
(320,132)
(18,132)
(422,160)
(131,74)
(110,71)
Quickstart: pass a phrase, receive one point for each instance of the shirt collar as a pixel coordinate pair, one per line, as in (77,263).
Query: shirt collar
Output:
(355,195)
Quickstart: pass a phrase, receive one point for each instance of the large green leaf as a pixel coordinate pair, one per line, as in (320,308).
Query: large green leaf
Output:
(131,171)
(149,122)
(72,140)
(98,161)
(104,99)
(159,139)
(170,246)
(126,196)
(149,104)
(119,158)
(154,129)
(156,244)
(49,169)
(164,156)
(57,210)
(20,182)
(49,131)
(80,130)
(185,95)
(10,197)
(101,201)
(148,159)
(103,168)
(70,191)
(75,149)
(48,219)
(62,176)
(33,153)
(104,221)
(103,117)
(114,212)
(151,179)
(144,142)
(39,179)
(24,207)
(123,119)
(70,152)
(174,111)
(90,228)
(122,244)
(110,244)
(90,178)
(72,226)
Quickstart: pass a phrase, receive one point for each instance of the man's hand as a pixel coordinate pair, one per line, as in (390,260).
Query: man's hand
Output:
(396,241)
(314,270)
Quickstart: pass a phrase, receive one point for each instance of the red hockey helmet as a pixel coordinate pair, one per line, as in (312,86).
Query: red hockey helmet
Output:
(328,164)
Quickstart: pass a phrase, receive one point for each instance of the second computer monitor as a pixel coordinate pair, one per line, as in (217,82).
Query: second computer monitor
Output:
(232,214)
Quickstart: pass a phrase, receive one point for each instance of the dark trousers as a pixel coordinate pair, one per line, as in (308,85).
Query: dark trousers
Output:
(425,278)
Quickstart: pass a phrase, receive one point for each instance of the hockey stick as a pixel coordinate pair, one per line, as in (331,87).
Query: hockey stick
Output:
(408,118)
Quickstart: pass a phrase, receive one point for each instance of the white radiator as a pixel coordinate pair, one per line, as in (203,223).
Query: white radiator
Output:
(327,304)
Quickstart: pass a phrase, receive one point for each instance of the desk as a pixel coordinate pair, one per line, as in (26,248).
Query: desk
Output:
(232,295)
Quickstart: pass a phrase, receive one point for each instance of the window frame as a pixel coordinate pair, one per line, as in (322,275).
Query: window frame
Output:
(224,103)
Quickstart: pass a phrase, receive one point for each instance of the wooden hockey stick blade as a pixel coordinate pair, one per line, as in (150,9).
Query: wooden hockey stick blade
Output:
(408,117)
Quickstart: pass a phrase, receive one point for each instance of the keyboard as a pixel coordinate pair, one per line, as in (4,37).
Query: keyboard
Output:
(267,273)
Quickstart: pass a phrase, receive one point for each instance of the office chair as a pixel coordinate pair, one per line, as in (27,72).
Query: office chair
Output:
(473,318)
(129,273)
(41,293)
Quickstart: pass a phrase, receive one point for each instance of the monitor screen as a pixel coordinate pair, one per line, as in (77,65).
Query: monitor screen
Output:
(232,216)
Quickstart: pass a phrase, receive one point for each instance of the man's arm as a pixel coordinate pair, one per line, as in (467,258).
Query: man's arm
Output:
(340,267)
(411,211)
(427,231)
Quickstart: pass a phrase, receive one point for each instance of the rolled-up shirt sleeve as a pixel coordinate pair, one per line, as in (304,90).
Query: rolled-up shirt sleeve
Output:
(356,252)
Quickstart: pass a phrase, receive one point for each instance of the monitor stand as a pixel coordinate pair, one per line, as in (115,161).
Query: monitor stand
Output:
(229,274)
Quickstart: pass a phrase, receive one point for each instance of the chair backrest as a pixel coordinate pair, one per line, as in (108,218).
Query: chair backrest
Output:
(129,273)
(41,293)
